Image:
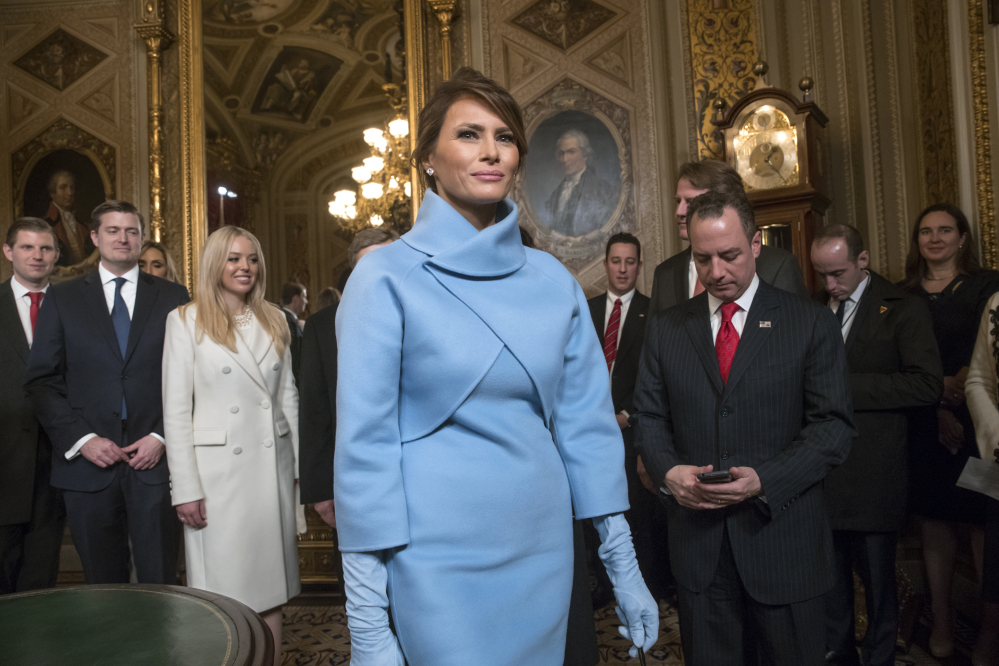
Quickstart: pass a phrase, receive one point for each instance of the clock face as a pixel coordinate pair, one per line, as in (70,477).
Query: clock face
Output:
(766,150)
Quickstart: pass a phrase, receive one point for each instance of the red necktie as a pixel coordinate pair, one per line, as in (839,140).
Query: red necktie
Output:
(727,340)
(610,336)
(36,302)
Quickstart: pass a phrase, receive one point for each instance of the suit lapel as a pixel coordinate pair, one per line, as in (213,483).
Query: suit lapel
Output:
(10,322)
(98,306)
(681,277)
(631,324)
(599,312)
(764,308)
(698,325)
(867,319)
(145,297)
(244,359)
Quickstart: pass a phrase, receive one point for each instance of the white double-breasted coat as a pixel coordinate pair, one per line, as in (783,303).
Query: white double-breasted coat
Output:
(231,428)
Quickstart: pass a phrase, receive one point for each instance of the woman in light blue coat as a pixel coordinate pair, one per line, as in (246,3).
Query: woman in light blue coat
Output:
(473,417)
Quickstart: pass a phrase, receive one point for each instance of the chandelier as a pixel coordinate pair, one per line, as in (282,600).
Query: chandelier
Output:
(383,179)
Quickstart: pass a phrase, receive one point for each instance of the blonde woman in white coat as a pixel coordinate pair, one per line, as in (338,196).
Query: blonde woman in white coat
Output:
(230,415)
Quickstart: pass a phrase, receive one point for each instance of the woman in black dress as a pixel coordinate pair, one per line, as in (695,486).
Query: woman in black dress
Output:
(943,268)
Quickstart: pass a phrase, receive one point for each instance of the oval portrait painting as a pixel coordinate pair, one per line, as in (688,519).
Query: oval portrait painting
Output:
(573,182)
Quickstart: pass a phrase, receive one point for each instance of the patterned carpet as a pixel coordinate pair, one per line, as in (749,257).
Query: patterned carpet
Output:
(317,636)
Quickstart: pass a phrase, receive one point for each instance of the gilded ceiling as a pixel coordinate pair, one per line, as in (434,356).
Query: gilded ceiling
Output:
(278,71)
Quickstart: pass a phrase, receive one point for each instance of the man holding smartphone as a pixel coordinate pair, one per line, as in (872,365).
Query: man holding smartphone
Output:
(751,381)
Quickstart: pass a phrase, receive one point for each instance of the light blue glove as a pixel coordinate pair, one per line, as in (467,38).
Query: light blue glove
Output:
(636,608)
(365,580)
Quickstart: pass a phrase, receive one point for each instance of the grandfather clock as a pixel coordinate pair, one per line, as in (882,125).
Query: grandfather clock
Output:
(774,142)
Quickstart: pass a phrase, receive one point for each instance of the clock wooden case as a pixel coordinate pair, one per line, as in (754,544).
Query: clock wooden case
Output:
(774,142)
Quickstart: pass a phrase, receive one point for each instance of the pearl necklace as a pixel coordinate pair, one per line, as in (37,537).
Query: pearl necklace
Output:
(244,320)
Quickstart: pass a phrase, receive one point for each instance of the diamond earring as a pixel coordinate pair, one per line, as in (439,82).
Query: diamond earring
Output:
(430,171)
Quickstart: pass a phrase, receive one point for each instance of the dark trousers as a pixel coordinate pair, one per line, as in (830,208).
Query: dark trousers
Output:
(581,633)
(29,552)
(102,522)
(724,626)
(872,556)
(990,579)
(647,518)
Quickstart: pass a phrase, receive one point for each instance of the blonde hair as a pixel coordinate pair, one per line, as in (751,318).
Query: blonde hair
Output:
(213,317)
(171,268)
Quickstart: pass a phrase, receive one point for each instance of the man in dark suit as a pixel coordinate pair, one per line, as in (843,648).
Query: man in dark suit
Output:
(293,303)
(894,366)
(619,316)
(751,381)
(94,381)
(675,280)
(32,516)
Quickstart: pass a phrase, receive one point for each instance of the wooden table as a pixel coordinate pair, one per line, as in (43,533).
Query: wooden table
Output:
(128,625)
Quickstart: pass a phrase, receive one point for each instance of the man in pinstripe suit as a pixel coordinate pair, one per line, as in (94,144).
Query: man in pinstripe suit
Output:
(749,379)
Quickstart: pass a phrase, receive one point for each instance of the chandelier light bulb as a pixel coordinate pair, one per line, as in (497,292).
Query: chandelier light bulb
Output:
(231,194)
(360,174)
(373,136)
(350,212)
(345,197)
(376,220)
(222,190)
(393,183)
(374,164)
(399,128)
(371,190)
(408,189)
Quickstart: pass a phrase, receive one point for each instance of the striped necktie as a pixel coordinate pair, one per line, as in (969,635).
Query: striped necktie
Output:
(610,336)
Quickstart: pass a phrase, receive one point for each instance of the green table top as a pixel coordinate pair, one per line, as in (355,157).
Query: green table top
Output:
(117,624)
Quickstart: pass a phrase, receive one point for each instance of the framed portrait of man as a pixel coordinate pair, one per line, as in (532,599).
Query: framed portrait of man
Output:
(577,187)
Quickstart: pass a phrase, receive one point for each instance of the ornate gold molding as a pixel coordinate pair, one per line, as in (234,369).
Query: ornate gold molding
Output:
(158,39)
(444,10)
(723,49)
(983,150)
(192,138)
(875,139)
(416,83)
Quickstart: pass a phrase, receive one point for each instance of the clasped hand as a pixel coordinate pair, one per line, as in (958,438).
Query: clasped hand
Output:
(689,492)
(141,455)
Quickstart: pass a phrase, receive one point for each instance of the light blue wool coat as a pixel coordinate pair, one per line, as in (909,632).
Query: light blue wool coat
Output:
(473,417)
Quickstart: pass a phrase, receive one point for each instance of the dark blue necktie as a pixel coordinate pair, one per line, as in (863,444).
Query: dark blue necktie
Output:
(122,323)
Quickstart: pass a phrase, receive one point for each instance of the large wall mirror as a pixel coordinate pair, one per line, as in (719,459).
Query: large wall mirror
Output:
(276,99)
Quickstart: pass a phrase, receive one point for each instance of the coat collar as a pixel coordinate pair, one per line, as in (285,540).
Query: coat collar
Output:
(455,246)
(10,321)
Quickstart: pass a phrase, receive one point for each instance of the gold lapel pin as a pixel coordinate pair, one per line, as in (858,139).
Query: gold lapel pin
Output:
(884,309)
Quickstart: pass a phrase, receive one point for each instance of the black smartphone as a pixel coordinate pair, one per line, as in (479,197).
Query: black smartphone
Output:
(720,476)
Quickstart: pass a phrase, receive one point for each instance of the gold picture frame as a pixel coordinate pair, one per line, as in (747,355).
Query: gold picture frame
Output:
(194,218)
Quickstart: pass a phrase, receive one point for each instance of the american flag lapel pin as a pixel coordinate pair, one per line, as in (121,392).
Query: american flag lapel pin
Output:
(764,324)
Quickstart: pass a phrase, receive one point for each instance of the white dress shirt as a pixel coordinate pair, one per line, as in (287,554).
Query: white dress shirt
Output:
(128,295)
(23,302)
(850,304)
(691,277)
(739,318)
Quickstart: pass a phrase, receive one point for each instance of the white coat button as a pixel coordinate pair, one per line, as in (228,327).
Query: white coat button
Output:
(277,366)
(226,370)
(237,450)
(268,443)
(266,404)
(234,409)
